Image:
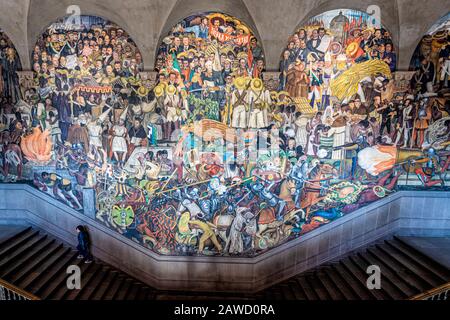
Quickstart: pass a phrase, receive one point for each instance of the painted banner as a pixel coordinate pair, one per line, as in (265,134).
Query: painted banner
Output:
(240,40)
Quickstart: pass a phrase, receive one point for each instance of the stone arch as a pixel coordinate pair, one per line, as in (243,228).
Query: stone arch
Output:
(333,39)
(87,52)
(432,42)
(42,14)
(389,23)
(187,8)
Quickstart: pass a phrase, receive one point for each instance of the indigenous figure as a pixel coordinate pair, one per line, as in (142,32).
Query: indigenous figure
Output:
(172,109)
(119,145)
(422,117)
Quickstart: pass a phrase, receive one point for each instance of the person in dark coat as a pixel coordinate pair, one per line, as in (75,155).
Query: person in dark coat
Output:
(10,65)
(83,245)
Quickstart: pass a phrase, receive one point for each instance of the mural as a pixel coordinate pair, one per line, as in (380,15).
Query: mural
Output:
(9,64)
(431,58)
(207,159)
(202,58)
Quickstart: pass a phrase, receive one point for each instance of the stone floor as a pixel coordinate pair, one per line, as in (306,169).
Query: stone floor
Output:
(7,231)
(436,248)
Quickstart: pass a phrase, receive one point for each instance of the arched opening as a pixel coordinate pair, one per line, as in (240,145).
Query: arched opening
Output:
(202,56)
(81,59)
(325,46)
(86,80)
(10,63)
(431,58)
(83,66)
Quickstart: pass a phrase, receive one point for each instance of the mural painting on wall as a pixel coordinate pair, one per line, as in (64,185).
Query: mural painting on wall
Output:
(430,59)
(55,129)
(209,161)
(10,94)
(9,65)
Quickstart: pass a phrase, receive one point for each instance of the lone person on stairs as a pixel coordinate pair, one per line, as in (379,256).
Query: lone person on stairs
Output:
(83,245)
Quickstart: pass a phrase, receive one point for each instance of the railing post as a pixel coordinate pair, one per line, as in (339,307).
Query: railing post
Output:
(2,293)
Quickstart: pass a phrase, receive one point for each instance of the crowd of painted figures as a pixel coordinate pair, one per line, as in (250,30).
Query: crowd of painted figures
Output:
(209,161)
(201,61)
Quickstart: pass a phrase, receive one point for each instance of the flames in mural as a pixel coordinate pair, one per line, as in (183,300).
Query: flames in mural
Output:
(37,147)
(380,158)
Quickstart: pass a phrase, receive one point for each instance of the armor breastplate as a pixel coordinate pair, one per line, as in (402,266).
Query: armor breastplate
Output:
(266,194)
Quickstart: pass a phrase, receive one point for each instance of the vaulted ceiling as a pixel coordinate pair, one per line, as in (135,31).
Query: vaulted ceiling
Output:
(148,21)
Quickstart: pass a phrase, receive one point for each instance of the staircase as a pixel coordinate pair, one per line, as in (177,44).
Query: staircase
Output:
(405,273)
(36,263)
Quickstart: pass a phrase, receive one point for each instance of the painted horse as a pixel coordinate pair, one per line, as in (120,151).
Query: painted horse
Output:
(311,191)
(286,192)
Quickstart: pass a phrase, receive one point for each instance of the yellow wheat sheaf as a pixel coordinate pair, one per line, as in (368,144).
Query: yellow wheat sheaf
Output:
(346,85)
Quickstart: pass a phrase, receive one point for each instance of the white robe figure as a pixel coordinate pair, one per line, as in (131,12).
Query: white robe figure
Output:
(310,146)
(445,72)
(406,126)
(119,143)
(184,109)
(339,134)
(259,103)
(41,115)
(301,135)
(55,130)
(95,134)
(235,243)
(171,104)
(239,118)
(328,115)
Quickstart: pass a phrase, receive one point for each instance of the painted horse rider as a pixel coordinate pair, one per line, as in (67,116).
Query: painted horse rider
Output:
(264,194)
(299,173)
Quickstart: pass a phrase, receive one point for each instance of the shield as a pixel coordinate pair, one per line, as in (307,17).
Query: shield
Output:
(122,216)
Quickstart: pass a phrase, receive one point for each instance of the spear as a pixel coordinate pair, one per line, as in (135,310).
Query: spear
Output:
(185,186)
(168,180)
